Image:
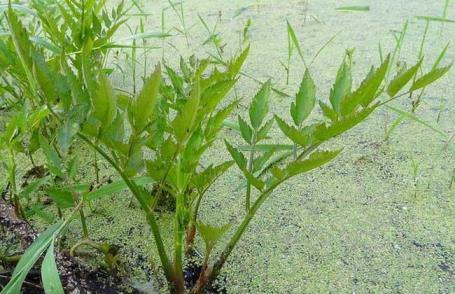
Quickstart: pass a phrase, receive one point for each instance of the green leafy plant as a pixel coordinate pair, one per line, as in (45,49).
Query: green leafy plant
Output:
(161,133)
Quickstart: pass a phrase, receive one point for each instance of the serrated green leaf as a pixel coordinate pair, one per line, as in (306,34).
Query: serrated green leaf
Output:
(264,130)
(315,160)
(342,86)
(147,100)
(245,130)
(304,100)
(402,79)
(259,161)
(256,182)
(216,122)
(104,102)
(211,234)
(213,95)
(49,273)
(184,121)
(367,91)
(430,77)
(23,47)
(324,132)
(235,66)
(54,162)
(328,111)
(292,133)
(66,133)
(260,105)
(238,156)
(205,179)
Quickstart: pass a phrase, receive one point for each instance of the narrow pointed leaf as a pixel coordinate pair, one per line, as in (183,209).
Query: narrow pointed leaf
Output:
(325,132)
(238,156)
(342,86)
(147,99)
(245,130)
(315,160)
(260,105)
(402,79)
(184,121)
(292,133)
(430,77)
(49,273)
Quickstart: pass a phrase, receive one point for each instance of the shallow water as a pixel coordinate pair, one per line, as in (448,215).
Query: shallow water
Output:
(357,225)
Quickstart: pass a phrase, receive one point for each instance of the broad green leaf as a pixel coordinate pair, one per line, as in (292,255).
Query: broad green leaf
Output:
(430,77)
(29,258)
(238,156)
(216,122)
(367,91)
(328,111)
(235,66)
(49,273)
(104,102)
(292,133)
(245,130)
(213,95)
(402,79)
(260,105)
(62,197)
(205,179)
(184,121)
(66,133)
(342,86)
(211,234)
(23,47)
(147,99)
(53,160)
(231,124)
(256,182)
(315,160)
(304,100)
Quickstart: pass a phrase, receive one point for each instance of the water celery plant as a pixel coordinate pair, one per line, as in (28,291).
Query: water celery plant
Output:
(160,133)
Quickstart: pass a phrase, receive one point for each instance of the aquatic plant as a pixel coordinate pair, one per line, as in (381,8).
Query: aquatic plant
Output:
(163,131)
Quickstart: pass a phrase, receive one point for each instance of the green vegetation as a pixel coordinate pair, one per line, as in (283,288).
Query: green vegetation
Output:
(58,98)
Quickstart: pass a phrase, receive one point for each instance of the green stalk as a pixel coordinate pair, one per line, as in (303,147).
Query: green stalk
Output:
(83,222)
(97,170)
(142,198)
(250,169)
(213,273)
(178,243)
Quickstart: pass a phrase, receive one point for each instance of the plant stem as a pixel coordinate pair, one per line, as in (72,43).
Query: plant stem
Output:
(83,222)
(97,170)
(250,169)
(142,198)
